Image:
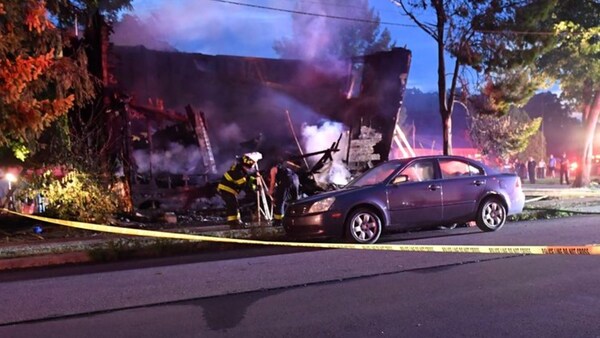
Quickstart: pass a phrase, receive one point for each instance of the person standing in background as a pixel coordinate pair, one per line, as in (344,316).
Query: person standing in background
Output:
(4,191)
(551,166)
(531,166)
(521,169)
(507,166)
(564,169)
(542,168)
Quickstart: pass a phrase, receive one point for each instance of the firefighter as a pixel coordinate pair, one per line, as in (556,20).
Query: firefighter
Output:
(284,186)
(239,177)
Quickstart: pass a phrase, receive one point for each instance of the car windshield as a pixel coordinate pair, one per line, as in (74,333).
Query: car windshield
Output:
(375,175)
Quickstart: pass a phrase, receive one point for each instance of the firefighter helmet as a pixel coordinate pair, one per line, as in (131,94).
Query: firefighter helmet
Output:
(247,161)
(250,159)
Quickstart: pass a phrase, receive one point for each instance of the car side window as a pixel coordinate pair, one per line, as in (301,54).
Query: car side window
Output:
(419,171)
(457,168)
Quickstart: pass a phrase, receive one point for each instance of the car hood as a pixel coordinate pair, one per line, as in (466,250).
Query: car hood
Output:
(334,193)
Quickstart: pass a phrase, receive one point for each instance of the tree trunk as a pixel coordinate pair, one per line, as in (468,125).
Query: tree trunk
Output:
(448,109)
(442,95)
(583,177)
(447,132)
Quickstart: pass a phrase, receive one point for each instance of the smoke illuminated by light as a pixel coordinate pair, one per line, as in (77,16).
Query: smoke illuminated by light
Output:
(178,159)
(321,137)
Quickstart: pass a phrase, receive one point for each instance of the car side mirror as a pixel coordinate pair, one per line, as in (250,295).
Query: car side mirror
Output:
(400,179)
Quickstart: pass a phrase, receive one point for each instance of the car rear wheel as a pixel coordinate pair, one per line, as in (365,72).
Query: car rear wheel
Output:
(363,226)
(491,215)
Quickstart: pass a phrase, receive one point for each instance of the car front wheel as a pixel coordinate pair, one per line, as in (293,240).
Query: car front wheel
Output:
(491,215)
(363,226)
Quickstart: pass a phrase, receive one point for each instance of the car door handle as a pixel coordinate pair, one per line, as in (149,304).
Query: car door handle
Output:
(434,187)
(479,182)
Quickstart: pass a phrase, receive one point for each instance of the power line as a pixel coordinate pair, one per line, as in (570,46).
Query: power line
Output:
(316,14)
(500,32)
(323,3)
(509,32)
(335,5)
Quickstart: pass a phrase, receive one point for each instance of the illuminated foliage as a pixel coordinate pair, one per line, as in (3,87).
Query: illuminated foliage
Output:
(576,63)
(20,151)
(76,196)
(35,17)
(45,80)
(43,66)
(503,90)
(503,136)
(558,43)
(37,83)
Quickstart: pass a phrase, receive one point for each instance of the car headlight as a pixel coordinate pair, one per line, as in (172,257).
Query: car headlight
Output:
(322,205)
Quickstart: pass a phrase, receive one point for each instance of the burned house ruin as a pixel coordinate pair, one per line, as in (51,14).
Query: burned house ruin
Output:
(231,105)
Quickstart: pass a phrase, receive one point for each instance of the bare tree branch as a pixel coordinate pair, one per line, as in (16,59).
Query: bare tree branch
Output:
(429,30)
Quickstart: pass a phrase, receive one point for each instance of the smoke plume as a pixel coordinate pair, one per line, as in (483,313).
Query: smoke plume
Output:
(178,159)
(205,27)
(321,137)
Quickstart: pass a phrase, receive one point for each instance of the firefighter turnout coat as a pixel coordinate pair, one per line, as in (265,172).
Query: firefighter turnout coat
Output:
(233,182)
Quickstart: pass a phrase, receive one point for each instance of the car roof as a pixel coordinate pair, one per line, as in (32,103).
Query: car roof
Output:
(434,157)
(437,157)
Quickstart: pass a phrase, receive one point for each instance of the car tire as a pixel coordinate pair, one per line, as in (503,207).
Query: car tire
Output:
(363,226)
(491,215)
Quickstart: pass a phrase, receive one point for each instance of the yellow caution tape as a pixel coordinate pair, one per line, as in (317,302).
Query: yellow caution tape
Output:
(592,249)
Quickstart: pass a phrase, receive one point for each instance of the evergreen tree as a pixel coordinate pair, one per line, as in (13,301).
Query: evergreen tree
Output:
(38,84)
(43,68)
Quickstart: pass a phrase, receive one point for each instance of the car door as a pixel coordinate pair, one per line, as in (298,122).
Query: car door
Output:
(463,184)
(415,195)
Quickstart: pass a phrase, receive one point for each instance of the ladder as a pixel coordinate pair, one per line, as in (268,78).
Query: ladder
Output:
(197,121)
(399,139)
(402,143)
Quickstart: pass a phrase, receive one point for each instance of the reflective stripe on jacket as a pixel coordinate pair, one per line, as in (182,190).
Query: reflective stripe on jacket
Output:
(234,180)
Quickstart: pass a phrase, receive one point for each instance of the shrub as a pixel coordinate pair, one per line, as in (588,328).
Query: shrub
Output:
(76,196)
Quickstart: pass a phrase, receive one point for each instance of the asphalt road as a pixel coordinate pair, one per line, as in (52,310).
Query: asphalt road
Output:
(339,293)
